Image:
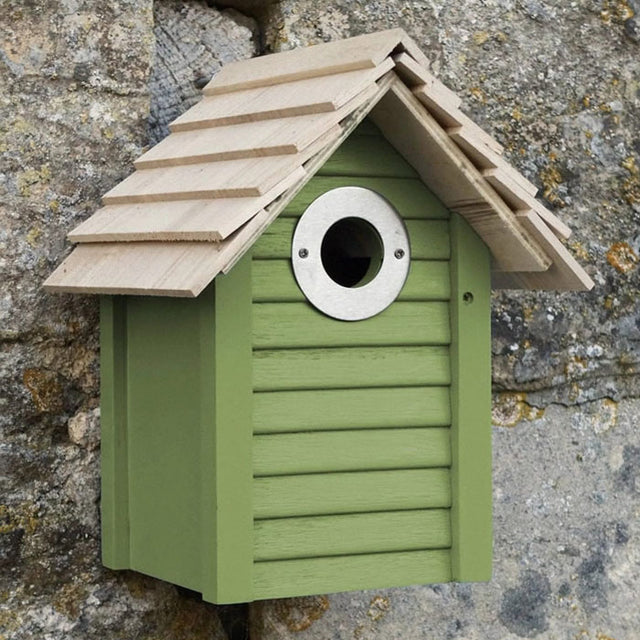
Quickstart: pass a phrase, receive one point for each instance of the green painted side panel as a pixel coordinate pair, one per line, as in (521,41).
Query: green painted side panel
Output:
(165,366)
(360,450)
(285,325)
(350,367)
(353,492)
(410,197)
(233,414)
(367,156)
(273,281)
(286,578)
(471,405)
(308,537)
(429,240)
(113,421)
(290,411)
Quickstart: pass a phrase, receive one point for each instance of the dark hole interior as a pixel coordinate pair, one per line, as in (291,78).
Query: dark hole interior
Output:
(352,252)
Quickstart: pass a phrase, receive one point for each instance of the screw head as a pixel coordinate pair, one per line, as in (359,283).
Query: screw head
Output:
(303,253)
(399,253)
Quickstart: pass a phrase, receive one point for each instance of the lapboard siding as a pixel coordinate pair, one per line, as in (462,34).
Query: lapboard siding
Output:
(351,447)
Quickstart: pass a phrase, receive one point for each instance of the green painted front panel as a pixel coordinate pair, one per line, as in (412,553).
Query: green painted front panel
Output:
(273,281)
(352,492)
(285,578)
(281,326)
(324,536)
(167,369)
(362,449)
(351,419)
(322,410)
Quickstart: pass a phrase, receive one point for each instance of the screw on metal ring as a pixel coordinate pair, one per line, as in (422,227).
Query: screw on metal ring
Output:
(303,253)
(399,253)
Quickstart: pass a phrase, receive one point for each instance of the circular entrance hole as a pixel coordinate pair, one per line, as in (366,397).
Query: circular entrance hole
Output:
(352,252)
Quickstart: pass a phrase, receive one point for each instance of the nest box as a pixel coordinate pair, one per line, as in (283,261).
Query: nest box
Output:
(295,328)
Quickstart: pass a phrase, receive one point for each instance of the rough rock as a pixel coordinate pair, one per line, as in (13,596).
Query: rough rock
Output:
(192,43)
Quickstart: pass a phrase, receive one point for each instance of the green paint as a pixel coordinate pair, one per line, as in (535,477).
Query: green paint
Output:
(352,444)
(165,366)
(354,492)
(318,410)
(176,401)
(410,197)
(287,578)
(369,156)
(277,325)
(350,367)
(232,464)
(353,533)
(113,421)
(360,450)
(470,405)
(273,281)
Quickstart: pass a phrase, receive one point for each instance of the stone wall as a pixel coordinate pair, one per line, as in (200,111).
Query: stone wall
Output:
(86,88)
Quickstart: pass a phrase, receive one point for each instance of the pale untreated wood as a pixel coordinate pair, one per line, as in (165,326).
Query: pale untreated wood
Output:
(202,220)
(350,367)
(273,282)
(565,273)
(449,117)
(353,492)
(313,536)
(285,578)
(454,179)
(360,450)
(149,268)
(511,190)
(252,139)
(298,324)
(361,52)
(393,407)
(415,74)
(312,95)
(225,179)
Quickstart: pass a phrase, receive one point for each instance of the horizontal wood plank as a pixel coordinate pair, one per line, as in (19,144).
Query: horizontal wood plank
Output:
(367,156)
(248,140)
(273,281)
(186,220)
(410,197)
(286,325)
(285,578)
(354,492)
(311,95)
(225,179)
(359,450)
(350,367)
(309,537)
(291,411)
(429,239)
(362,52)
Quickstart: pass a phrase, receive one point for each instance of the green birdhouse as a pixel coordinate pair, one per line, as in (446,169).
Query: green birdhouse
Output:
(295,328)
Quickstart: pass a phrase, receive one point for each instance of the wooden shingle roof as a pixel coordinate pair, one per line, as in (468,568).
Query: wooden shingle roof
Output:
(200,198)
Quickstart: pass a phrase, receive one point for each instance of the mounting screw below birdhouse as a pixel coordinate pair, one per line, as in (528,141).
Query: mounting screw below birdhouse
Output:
(399,253)
(303,253)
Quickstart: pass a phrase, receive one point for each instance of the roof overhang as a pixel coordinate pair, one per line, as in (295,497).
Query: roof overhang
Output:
(200,198)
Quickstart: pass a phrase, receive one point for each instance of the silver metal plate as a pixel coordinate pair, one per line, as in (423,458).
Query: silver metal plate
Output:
(333,299)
